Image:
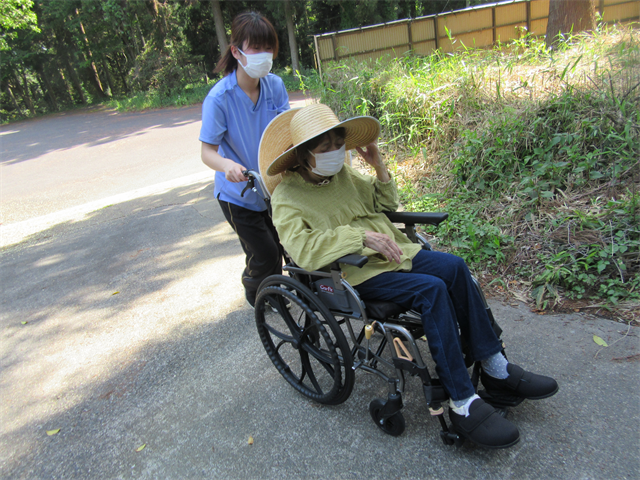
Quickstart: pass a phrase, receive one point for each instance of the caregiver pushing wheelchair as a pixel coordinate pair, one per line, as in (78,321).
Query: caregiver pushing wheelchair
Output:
(349,266)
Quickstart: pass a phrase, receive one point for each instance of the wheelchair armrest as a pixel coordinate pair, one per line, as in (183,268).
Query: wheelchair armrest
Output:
(417,218)
(354,260)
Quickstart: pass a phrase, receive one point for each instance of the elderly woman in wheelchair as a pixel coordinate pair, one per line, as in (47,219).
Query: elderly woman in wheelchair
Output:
(349,265)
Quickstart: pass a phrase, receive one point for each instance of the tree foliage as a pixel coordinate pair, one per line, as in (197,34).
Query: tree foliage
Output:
(60,53)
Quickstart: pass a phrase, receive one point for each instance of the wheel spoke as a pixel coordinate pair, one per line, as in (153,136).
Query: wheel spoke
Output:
(306,367)
(323,356)
(304,342)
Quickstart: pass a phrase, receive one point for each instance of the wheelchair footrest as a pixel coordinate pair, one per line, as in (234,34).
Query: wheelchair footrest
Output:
(412,369)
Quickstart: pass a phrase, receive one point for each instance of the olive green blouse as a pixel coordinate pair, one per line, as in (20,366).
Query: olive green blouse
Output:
(319,224)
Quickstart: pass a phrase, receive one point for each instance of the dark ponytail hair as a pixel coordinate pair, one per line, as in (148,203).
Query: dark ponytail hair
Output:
(250,27)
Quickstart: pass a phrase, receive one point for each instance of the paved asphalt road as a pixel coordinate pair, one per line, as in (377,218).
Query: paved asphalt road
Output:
(123,324)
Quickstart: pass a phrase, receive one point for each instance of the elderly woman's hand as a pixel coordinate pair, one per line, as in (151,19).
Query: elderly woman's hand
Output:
(372,156)
(383,244)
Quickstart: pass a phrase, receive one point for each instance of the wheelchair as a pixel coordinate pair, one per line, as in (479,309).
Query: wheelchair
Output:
(318,333)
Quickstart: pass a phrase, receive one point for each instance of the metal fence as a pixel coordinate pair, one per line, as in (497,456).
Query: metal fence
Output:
(479,26)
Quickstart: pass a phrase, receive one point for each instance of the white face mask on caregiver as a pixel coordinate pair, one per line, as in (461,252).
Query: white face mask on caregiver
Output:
(329,163)
(258,64)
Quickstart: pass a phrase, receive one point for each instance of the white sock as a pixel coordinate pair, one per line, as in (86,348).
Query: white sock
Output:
(461,407)
(496,366)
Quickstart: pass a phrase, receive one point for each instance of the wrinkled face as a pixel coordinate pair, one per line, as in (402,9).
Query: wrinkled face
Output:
(329,142)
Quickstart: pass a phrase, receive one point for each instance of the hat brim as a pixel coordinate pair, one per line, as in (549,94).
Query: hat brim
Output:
(359,131)
(276,138)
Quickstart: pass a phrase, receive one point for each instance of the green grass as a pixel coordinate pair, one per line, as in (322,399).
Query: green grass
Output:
(533,153)
(190,94)
(187,95)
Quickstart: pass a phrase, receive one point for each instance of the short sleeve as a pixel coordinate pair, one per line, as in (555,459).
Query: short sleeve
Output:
(214,121)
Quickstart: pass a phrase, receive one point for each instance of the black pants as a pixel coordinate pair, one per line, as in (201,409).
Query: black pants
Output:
(260,243)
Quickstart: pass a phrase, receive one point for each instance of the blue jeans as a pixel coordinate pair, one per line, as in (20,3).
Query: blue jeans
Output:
(439,286)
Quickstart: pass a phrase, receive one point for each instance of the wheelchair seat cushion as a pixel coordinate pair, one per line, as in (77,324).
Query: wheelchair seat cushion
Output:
(381,310)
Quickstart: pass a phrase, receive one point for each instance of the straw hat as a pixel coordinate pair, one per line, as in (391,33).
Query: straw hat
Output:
(294,127)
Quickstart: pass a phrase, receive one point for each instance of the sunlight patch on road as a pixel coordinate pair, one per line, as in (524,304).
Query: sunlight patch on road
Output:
(16,232)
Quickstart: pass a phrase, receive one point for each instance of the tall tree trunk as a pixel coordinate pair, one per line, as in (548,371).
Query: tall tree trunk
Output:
(63,55)
(47,88)
(123,74)
(293,45)
(24,93)
(52,71)
(219,24)
(567,16)
(13,99)
(107,74)
(59,70)
(93,71)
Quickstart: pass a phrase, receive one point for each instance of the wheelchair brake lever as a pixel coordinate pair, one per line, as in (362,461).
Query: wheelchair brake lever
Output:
(250,183)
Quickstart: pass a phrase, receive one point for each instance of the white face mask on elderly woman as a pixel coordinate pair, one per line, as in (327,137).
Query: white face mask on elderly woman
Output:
(329,163)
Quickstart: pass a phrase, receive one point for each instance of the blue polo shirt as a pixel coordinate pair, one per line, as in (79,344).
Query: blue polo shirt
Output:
(231,121)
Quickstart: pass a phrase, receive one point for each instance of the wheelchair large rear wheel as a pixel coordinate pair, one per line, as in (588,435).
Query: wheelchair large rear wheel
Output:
(304,341)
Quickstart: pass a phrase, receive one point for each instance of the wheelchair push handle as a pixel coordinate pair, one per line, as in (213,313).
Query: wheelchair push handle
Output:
(254,177)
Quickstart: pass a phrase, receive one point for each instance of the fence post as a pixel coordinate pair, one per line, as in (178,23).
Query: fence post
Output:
(410,36)
(529,16)
(601,8)
(315,41)
(435,30)
(493,23)
(334,42)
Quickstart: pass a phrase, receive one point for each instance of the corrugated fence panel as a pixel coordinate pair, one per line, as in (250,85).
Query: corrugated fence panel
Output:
(464,21)
(472,27)
(423,36)
(325,47)
(621,12)
(539,27)
(472,39)
(510,14)
(508,18)
(424,48)
(504,34)
(375,55)
(422,30)
(539,9)
(374,39)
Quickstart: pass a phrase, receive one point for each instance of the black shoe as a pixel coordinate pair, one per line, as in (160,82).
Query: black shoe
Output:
(520,383)
(484,426)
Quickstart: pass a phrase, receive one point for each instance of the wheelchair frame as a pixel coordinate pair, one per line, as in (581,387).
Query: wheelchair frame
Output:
(324,302)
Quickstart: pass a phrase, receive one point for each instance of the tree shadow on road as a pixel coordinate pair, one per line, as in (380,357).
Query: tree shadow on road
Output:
(70,129)
(120,263)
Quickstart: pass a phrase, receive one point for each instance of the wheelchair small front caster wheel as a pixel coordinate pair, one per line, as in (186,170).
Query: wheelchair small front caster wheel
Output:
(394,425)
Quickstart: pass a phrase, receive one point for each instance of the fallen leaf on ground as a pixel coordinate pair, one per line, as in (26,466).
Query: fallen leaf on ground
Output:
(600,341)
(53,432)
(24,323)
(250,442)
(114,293)
(141,447)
